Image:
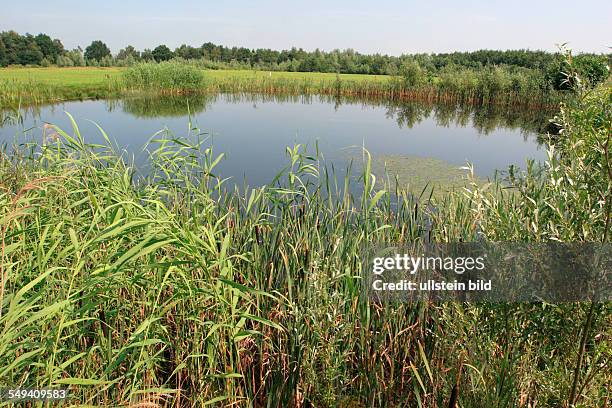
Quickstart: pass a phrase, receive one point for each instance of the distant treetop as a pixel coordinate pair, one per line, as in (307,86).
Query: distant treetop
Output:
(97,50)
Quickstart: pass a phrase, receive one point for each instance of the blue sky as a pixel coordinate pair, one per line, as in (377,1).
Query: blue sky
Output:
(392,27)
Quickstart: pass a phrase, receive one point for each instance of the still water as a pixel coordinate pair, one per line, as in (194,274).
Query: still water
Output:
(254,131)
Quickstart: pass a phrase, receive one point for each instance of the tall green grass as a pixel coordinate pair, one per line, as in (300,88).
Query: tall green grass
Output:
(165,77)
(494,87)
(18,92)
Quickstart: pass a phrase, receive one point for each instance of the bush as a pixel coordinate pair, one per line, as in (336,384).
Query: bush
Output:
(64,61)
(569,198)
(593,69)
(107,61)
(45,62)
(569,72)
(412,73)
(78,60)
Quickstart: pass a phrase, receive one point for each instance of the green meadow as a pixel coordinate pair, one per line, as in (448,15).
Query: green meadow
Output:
(97,76)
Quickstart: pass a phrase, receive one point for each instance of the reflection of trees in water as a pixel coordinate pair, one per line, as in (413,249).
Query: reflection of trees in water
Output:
(267,98)
(409,115)
(485,119)
(528,121)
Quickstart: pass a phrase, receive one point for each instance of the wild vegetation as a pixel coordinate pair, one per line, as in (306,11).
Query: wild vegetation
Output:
(520,77)
(531,71)
(165,77)
(35,86)
(486,86)
(166,289)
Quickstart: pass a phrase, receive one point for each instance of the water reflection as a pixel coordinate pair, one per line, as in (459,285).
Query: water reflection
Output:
(407,114)
(254,130)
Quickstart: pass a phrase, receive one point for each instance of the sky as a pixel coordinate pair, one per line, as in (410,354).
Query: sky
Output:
(385,26)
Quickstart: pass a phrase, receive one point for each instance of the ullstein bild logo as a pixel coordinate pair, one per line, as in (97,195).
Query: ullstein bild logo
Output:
(491,272)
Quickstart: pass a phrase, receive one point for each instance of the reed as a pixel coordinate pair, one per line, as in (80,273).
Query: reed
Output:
(165,77)
(501,90)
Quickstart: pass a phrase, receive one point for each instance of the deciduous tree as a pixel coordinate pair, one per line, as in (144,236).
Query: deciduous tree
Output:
(96,51)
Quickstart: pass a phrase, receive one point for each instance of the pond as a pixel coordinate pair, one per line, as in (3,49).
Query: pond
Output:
(423,141)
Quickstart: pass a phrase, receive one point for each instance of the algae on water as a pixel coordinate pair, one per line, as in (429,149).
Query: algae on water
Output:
(416,174)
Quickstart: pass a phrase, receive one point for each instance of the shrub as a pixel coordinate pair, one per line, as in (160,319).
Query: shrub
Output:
(45,62)
(412,73)
(64,61)
(107,61)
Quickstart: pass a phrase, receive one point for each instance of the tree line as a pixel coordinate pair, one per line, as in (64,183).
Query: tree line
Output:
(41,50)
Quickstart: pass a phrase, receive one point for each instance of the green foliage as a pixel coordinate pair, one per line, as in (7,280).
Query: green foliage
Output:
(96,51)
(594,69)
(45,63)
(147,55)
(3,51)
(64,61)
(162,53)
(32,89)
(127,57)
(412,74)
(529,63)
(107,61)
(78,60)
(51,49)
(520,88)
(573,189)
(570,73)
(16,49)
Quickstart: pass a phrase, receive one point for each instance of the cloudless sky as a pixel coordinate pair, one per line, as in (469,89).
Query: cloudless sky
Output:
(385,26)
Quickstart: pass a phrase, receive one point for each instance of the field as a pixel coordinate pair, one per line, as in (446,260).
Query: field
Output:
(68,77)
(92,77)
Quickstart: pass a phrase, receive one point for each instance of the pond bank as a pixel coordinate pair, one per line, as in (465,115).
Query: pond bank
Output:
(27,86)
